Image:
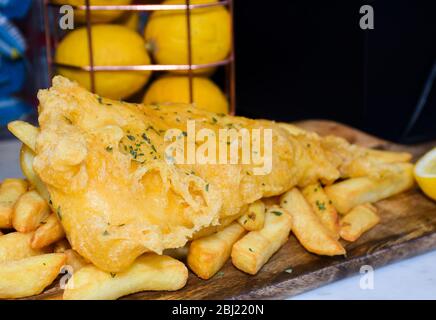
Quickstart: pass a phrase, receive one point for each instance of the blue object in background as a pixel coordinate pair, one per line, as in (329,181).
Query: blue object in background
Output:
(12,43)
(13,109)
(15,9)
(12,63)
(12,76)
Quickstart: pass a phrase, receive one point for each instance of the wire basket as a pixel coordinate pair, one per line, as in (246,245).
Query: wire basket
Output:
(52,39)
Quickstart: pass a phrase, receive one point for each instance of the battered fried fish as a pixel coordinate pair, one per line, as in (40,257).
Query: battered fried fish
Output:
(118,196)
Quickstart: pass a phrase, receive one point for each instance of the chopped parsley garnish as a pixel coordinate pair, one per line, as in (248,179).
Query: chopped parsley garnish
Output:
(100,99)
(105,233)
(133,153)
(146,138)
(207,187)
(109,149)
(277,213)
(153,129)
(132,138)
(113,275)
(68,120)
(320,205)
(251,250)
(58,212)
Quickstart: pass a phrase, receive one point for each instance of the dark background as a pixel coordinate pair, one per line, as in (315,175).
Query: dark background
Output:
(310,59)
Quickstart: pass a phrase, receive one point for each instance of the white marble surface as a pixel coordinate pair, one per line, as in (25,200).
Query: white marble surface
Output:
(413,278)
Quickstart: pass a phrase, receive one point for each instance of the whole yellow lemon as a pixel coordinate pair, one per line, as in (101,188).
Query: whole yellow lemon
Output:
(166,34)
(96,16)
(175,89)
(112,45)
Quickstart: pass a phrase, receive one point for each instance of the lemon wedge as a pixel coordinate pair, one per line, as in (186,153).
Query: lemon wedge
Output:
(425,173)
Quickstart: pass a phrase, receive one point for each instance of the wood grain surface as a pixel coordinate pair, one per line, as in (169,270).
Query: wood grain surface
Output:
(407,228)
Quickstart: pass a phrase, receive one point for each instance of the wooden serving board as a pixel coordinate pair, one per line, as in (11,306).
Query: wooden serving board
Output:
(407,228)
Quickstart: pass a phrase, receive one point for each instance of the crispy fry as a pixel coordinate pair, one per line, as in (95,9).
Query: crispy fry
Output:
(10,191)
(323,208)
(29,212)
(148,272)
(29,276)
(359,220)
(26,163)
(308,228)
(25,132)
(251,252)
(75,260)
(49,232)
(61,246)
(254,218)
(1,233)
(207,255)
(389,156)
(16,245)
(350,193)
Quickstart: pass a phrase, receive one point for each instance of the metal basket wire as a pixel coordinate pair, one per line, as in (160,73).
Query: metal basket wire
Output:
(51,40)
